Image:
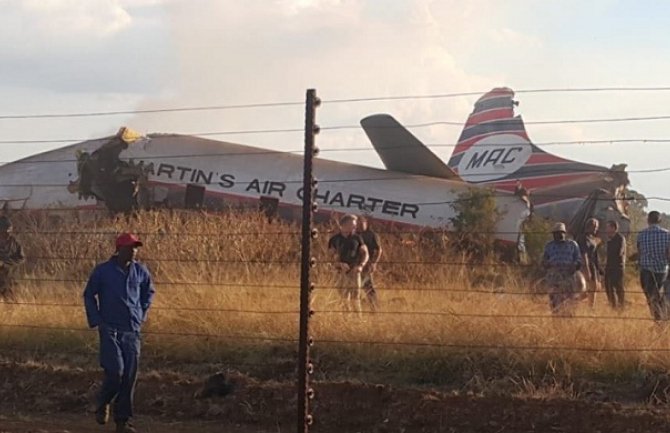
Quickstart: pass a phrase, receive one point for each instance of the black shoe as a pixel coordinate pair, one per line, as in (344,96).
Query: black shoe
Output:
(102,414)
(125,427)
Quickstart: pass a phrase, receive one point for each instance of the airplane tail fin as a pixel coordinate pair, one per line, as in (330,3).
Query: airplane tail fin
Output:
(495,148)
(402,151)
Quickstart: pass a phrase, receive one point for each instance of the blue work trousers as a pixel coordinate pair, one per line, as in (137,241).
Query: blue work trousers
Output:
(119,358)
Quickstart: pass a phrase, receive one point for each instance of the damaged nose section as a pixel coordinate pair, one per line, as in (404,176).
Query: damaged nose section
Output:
(121,185)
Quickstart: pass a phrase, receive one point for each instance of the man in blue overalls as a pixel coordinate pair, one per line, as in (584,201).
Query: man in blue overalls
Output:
(117,298)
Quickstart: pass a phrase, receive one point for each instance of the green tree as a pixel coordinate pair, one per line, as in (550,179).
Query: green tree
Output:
(476,220)
(636,210)
(537,231)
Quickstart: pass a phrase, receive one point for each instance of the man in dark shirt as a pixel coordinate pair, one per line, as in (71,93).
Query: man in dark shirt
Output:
(616,263)
(117,299)
(11,255)
(588,247)
(350,256)
(371,241)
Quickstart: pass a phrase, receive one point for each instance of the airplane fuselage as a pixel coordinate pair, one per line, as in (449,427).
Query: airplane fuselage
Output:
(219,175)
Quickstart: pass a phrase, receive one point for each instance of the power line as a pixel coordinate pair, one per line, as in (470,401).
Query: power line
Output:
(366,148)
(204,134)
(548,143)
(481,93)
(274,104)
(151,111)
(512,121)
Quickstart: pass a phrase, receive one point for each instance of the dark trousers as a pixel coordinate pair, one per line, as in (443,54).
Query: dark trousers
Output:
(370,291)
(6,284)
(614,287)
(119,358)
(652,283)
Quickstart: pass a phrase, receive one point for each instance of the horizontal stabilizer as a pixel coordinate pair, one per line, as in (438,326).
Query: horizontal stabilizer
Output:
(401,151)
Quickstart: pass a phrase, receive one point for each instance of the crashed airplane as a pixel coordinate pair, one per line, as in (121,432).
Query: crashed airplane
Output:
(495,150)
(129,171)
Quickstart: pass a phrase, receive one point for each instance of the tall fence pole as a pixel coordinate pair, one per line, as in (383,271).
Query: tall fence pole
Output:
(305,366)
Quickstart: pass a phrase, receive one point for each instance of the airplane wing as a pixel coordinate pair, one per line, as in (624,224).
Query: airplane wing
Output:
(402,151)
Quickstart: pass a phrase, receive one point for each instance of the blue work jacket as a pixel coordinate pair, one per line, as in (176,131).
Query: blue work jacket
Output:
(118,298)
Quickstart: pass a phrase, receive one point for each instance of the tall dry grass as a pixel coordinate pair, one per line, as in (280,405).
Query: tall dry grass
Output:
(207,262)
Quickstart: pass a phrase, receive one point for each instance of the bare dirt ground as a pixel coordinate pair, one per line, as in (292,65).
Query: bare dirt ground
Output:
(60,423)
(49,399)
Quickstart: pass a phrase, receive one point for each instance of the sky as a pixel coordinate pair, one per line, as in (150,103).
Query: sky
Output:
(64,56)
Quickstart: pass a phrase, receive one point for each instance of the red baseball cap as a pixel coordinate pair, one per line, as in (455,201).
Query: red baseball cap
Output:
(128,240)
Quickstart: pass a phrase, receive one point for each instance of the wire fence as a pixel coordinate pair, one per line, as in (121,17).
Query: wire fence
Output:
(343,342)
(269,286)
(284,314)
(330,261)
(396,314)
(210,312)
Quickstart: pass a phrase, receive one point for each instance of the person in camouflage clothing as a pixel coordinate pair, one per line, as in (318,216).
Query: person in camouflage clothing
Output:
(11,255)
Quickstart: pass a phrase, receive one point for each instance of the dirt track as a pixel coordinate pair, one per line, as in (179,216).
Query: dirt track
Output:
(167,404)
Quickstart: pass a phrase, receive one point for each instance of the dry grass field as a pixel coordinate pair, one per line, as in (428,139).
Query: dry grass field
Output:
(227,292)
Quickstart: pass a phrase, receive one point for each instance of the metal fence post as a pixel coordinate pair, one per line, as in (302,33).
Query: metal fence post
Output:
(305,366)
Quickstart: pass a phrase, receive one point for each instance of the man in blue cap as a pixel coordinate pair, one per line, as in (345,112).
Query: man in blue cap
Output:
(117,298)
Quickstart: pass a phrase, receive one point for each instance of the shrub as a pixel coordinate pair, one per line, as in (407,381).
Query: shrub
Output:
(476,220)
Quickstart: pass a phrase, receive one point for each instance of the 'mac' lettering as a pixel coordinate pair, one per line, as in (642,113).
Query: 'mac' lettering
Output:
(476,160)
(494,157)
(508,159)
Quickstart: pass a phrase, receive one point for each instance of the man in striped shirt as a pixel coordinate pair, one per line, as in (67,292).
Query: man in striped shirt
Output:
(653,247)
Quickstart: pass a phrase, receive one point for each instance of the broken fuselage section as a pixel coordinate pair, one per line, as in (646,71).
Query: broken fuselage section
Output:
(122,185)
